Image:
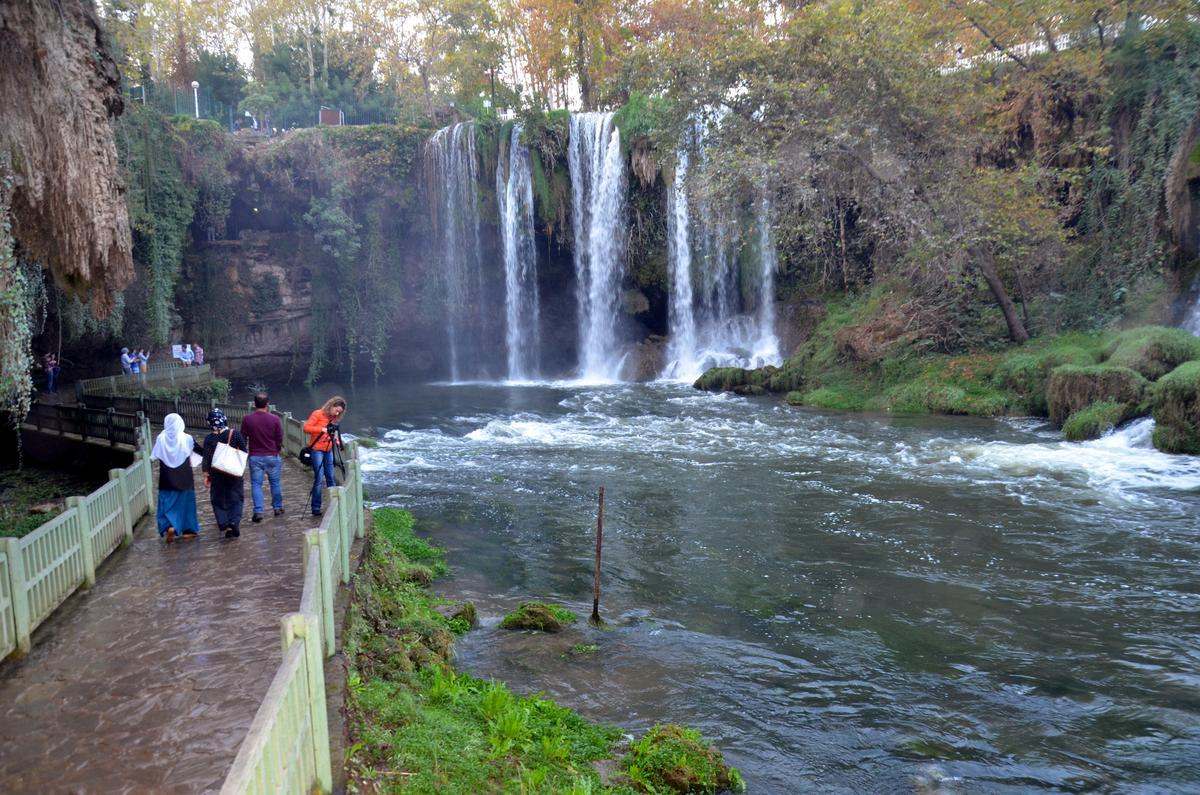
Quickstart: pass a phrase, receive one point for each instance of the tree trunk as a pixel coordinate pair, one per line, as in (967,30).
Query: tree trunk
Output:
(987,268)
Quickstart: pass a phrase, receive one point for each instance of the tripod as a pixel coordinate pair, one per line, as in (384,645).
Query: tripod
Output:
(335,451)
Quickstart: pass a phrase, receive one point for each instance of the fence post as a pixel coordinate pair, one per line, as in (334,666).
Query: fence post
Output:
(344,535)
(85,539)
(317,544)
(360,522)
(19,591)
(123,490)
(315,669)
(151,501)
(109,421)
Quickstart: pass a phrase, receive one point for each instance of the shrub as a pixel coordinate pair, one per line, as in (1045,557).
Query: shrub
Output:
(1073,387)
(1176,402)
(1153,351)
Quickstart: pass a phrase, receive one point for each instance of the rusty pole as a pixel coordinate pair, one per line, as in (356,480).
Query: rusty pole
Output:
(595,619)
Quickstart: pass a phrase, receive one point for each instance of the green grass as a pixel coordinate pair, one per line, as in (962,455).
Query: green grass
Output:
(541,616)
(1176,404)
(417,726)
(1152,351)
(23,489)
(1095,420)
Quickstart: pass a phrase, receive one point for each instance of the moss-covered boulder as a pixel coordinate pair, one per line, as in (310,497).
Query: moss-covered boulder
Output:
(788,378)
(1073,387)
(749,390)
(722,379)
(671,758)
(1095,420)
(1176,403)
(1023,373)
(1153,351)
(542,616)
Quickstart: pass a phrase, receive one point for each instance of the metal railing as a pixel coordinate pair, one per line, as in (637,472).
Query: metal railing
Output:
(98,424)
(131,383)
(39,571)
(194,412)
(287,748)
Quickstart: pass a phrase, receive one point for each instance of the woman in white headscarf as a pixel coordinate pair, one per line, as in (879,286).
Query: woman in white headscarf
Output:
(176,486)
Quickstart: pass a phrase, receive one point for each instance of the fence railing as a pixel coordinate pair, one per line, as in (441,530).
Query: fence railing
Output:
(194,412)
(287,748)
(39,571)
(132,383)
(97,424)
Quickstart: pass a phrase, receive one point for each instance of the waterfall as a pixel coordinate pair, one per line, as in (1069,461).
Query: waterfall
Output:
(767,349)
(1191,320)
(452,174)
(598,222)
(514,197)
(681,353)
(722,309)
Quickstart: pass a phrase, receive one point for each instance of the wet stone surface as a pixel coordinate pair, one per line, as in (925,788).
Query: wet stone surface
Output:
(149,681)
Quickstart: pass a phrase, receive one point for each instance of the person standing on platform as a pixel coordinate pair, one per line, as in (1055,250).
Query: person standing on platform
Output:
(265,433)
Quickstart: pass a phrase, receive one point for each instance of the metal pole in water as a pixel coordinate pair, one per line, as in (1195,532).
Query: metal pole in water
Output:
(595,619)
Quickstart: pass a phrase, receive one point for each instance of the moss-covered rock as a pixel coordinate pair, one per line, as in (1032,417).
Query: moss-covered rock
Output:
(1095,420)
(671,758)
(1024,372)
(1073,387)
(749,390)
(722,379)
(788,378)
(1153,351)
(1176,402)
(541,616)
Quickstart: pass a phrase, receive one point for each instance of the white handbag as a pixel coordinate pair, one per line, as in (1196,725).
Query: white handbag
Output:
(228,459)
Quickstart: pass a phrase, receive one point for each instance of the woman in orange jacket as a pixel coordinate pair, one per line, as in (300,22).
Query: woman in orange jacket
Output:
(322,430)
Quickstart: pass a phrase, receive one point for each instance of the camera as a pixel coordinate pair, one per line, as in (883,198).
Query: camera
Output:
(332,428)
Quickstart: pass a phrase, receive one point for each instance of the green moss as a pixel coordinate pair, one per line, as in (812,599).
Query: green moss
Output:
(540,616)
(959,385)
(584,649)
(396,528)
(23,490)
(368,442)
(1023,372)
(1073,387)
(723,379)
(1153,351)
(843,397)
(670,758)
(1095,420)
(1176,404)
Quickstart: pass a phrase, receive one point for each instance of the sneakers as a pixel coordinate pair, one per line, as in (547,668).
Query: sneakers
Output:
(279,512)
(256,518)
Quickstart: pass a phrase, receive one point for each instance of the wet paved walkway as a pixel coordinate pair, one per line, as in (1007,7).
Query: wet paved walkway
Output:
(149,682)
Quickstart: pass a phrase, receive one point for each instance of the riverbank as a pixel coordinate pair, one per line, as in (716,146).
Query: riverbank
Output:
(1085,382)
(418,725)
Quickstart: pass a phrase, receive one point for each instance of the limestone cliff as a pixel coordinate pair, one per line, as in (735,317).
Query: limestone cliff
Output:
(59,91)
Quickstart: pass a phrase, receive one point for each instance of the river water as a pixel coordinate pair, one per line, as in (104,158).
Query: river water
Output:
(841,601)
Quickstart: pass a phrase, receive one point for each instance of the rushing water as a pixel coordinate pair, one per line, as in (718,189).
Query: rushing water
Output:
(514,197)
(599,225)
(843,602)
(452,175)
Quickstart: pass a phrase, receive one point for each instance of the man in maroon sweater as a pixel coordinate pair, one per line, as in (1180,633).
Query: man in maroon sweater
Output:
(264,431)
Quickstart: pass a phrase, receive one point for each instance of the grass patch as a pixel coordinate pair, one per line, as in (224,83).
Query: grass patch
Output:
(1074,387)
(24,490)
(1152,351)
(1176,403)
(541,616)
(1095,420)
(418,726)
(367,442)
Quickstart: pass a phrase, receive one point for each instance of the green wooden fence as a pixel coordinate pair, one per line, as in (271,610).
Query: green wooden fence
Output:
(130,384)
(39,571)
(287,747)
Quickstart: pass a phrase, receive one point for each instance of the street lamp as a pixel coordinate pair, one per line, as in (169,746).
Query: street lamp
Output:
(196,97)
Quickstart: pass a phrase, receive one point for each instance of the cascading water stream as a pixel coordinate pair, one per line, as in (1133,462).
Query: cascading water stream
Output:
(452,174)
(681,312)
(514,196)
(767,348)
(598,221)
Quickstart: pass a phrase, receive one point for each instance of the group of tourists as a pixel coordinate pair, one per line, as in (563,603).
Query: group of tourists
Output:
(135,362)
(223,458)
(188,355)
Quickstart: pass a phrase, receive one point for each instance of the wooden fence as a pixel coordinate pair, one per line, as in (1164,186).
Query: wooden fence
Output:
(88,423)
(194,412)
(129,384)
(39,571)
(287,748)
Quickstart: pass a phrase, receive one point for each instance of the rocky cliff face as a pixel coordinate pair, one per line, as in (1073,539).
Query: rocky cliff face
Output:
(60,90)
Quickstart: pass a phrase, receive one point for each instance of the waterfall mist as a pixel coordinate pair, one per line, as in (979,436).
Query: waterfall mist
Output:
(598,221)
(514,198)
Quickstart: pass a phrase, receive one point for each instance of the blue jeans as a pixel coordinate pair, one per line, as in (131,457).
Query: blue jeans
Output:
(321,462)
(272,467)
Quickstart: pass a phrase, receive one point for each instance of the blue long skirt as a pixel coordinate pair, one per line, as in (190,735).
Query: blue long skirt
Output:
(177,509)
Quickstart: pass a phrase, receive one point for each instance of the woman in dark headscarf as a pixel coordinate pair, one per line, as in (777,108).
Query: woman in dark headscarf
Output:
(224,490)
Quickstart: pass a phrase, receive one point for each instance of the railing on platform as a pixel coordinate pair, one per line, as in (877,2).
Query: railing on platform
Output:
(126,384)
(39,571)
(194,412)
(287,748)
(96,424)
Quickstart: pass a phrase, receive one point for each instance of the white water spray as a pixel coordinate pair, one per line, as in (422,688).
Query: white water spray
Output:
(598,220)
(681,352)
(514,196)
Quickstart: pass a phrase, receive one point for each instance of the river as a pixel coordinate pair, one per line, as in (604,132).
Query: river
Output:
(841,601)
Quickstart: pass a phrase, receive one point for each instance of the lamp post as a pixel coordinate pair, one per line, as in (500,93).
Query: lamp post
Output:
(196,97)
